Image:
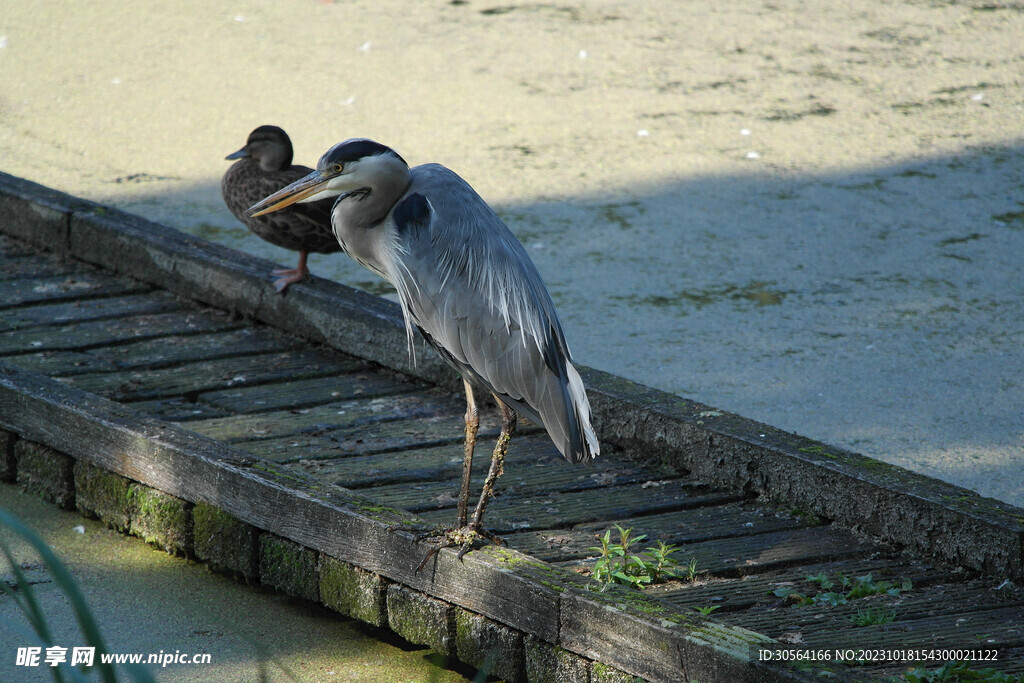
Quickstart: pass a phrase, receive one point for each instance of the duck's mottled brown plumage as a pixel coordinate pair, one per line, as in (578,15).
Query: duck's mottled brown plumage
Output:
(263,167)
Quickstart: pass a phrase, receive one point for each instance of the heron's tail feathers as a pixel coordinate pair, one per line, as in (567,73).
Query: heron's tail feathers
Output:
(583,441)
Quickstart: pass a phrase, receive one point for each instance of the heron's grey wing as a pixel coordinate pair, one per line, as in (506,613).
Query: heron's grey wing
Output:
(480,301)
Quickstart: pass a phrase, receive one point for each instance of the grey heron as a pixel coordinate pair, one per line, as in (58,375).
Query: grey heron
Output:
(467,284)
(264,166)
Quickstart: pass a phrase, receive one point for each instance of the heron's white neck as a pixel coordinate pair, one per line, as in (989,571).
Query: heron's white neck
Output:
(359,224)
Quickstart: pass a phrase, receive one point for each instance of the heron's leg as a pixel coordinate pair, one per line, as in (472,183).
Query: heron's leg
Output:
(472,427)
(464,535)
(508,428)
(292,275)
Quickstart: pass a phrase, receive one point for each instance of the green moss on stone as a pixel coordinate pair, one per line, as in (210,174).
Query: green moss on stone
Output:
(289,567)
(224,542)
(547,663)
(162,520)
(46,473)
(489,646)
(602,673)
(105,495)
(352,591)
(379,512)
(819,450)
(421,619)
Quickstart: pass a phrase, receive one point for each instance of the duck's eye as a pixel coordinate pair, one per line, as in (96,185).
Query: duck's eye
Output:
(338,168)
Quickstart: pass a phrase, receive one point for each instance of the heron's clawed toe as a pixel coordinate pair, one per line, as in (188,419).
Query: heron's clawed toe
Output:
(463,538)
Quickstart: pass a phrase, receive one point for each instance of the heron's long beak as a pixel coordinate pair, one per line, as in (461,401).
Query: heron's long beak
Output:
(286,196)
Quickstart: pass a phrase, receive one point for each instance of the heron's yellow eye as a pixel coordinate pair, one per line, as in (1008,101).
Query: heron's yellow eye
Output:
(338,168)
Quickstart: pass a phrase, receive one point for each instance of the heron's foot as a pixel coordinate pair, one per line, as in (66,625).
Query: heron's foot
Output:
(462,538)
(291,276)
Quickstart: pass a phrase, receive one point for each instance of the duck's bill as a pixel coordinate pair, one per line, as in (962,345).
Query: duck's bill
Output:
(303,188)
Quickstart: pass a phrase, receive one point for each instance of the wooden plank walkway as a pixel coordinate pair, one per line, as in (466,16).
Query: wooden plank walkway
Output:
(347,422)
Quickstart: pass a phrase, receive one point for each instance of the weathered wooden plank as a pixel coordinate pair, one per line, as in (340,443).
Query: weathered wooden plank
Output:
(743,592)
(937,613)
(758,553)
(433,502)
(414,465)
(996,629)
(708,523)
(178,410)
(677,527)
(12,248)
(1010,661)
(63,287)
(162,351)
(323,419)
(534,490)
(533,464)
(363,439)
(92,333)
(29,265)
(393,467)
(193,378)
(59,363)
(88,309)
(729,451)
(359,382)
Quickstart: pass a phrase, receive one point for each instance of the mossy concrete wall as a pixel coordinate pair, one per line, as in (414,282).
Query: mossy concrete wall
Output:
(225,543)
(353,592)
(46,473)
(157,518)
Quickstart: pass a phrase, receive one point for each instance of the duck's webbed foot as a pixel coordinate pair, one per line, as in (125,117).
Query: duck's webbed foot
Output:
(290,278)
(291,275)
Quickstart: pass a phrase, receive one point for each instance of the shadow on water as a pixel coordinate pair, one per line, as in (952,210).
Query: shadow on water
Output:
(879,309)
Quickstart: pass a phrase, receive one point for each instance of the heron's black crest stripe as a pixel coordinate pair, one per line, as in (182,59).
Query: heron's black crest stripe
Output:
(413,211)
(353,150)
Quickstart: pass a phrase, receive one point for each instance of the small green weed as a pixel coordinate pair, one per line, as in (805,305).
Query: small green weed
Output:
(620,563)
(860,587)
(873,616)
(707,610)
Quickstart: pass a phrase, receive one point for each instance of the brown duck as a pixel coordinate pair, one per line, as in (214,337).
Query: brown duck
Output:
(264,166)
